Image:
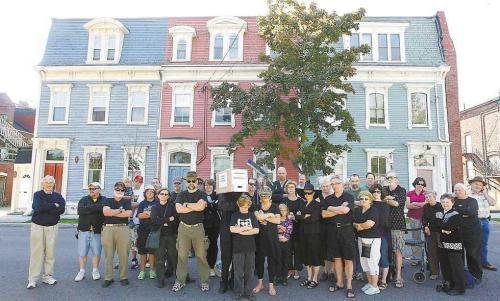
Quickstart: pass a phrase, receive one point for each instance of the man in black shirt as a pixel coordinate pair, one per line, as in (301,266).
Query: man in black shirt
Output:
(190,205)
(90,223)
(279,186)
(337,210)
(115,234)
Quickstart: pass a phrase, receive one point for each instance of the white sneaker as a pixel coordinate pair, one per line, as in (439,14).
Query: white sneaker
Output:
(366,286)
(372,290)
(96,275)
(147,265)
(212,273)
(31,285)
(79,277)
(49,280)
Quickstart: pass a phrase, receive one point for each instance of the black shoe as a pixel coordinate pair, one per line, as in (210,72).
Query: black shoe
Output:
(160,283)
(223,288)
(489,267)
(124,282)
(454,292)
(107,283)
(278,281)
(168,273)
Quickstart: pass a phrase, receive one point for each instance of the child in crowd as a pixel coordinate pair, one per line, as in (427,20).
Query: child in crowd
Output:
(284,231)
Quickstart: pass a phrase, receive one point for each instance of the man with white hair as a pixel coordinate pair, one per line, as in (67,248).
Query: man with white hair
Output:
(48,206)
(279,186)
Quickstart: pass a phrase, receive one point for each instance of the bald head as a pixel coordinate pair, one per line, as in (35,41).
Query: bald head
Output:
(281,174)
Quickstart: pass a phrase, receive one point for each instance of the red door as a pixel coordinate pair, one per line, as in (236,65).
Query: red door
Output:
(55,170)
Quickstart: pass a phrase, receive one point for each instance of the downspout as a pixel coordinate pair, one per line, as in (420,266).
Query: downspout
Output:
(204,89)
(158,132)
(484,145)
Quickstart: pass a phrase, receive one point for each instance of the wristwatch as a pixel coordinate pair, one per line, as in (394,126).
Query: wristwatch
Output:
(186,204)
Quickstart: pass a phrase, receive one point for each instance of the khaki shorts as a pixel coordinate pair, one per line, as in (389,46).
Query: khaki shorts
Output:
(398,241)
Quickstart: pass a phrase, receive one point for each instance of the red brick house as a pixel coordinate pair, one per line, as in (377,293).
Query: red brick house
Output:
(201,53)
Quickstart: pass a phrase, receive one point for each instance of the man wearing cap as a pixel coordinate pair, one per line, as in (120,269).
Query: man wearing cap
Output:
(115,235)
(190,205)
(484,201)
(89,228)
(177,187)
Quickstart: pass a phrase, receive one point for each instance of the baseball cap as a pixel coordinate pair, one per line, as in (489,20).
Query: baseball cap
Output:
(95,184)
(120,184)
(177,180)
(139,179)
(266,191)
(149,187)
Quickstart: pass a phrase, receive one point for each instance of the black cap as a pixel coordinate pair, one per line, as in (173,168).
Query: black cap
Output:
(308,186)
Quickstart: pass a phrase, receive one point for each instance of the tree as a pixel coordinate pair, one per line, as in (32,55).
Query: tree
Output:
(304,87)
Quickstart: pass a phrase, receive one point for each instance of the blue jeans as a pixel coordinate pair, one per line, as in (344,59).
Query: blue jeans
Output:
(87,241)
(384,253)
(485,226)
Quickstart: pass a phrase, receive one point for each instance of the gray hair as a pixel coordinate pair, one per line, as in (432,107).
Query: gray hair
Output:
(431,192)
(460,186)
(391,172)
(47,179)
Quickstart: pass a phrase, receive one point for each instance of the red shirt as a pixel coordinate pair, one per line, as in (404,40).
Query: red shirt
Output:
(416,198)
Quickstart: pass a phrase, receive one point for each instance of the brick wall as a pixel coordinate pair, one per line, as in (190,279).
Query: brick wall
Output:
(452,101)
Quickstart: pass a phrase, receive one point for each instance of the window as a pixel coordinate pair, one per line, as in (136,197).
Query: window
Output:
(180,158)
(218,47)
(395,48)
(54,154)
(182,104)
(138,100)
(468,144)
(106,37)
(94,157)
(181,49)
(471,172)
(366,39)
(111,47)
(377,113)
(386,40)
(226,38)
(223,115)
(419,111)
(379,162)
(383,50)
(135,161)
(233,46)
(182,39)
(59,104)
(377,105)
(221,160)
(99,104)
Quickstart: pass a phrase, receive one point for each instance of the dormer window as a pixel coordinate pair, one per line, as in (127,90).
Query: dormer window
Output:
(226,38)
(105,40)
(182,41)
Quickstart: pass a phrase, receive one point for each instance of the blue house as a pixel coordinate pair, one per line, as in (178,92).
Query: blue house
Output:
(400,102)
(99,103)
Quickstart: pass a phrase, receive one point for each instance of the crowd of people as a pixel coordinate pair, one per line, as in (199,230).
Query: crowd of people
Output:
(337,233)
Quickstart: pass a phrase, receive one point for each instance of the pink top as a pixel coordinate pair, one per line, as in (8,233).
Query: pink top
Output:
(416,198)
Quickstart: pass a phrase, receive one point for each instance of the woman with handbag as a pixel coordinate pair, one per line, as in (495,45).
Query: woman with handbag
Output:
(366,220)
(164,224)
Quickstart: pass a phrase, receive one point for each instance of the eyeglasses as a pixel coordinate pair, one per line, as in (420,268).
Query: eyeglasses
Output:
(309,193)
(376,191)
(163,193)
(177,183)
(421,184)
(120,190)
(364,199)
(93,188)
(191,181)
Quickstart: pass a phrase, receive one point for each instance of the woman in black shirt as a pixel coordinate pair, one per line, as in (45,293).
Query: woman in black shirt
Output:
(165,217)
(293,202)
(366,219)
(268,216)
(433,212)
(211,223)
(309,217)
(384,229)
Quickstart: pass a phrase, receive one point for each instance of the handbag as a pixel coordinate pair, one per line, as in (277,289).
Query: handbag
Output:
(153,240)
(366,248)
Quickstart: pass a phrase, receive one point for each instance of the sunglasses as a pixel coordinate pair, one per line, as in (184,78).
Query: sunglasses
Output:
(177,183)
(163,193)
(364,199)
(421,184)
(120,190)
(376,191)
(93,188)
(309,193)
(251,184)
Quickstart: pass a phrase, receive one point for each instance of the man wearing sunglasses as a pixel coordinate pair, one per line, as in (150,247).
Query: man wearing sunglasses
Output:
(190,205)
(90,222)
(115,235)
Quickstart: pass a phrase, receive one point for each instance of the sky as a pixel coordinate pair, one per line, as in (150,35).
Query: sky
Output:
(24,27)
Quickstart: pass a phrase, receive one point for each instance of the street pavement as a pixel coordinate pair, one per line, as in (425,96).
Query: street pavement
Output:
(14,261)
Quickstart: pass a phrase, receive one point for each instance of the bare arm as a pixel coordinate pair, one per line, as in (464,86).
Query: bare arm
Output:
(107,211)
(273,218)
(182,209)
(327,214)
(491,200)
(125,213)
(366,225)
(198,206)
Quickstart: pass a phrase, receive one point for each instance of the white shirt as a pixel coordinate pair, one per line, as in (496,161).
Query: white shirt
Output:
(482,204)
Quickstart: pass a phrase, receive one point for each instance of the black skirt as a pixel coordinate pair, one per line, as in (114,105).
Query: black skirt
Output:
(311,249)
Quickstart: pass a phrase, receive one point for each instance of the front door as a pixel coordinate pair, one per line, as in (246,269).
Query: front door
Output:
(179,163)
(23,191)
(55,170)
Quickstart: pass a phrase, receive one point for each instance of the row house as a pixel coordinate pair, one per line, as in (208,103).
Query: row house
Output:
(99,102)
(132,96)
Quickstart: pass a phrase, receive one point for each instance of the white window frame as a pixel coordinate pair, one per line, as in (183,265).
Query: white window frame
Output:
(138,88)
(213,123)
(342,159)
(380,88)
(182,88)
(185,33)
(102,88)
(141,150)
(54,88)
(375,28)
(226,26)
(419,88)
(468,143)
(87,149)
(219,151)
(105,27)
(388,153)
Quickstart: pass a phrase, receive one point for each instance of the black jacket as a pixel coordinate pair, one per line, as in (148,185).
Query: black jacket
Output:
(212,217)
(278,192)
(90,214)
(452,221)
(432,216)
(310,225)
(45,212)
(162,214)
